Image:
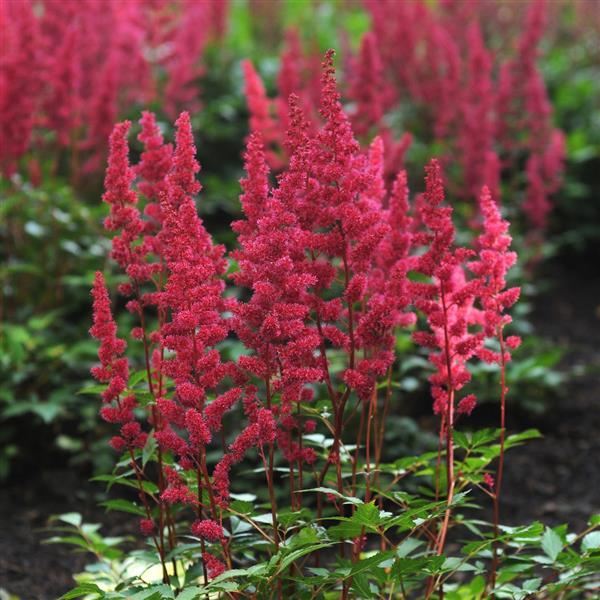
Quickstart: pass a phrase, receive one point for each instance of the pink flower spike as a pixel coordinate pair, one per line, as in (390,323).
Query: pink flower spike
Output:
(207,529)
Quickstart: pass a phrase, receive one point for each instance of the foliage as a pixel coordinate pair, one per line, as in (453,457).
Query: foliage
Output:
(50,248)
(550,563)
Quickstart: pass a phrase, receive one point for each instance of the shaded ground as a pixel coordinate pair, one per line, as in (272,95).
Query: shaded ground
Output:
(556,479)
(29,569)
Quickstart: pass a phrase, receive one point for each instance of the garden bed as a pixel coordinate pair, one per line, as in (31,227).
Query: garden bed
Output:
(551,479)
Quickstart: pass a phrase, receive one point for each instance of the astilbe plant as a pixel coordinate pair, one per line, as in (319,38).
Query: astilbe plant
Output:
(65,60)
(328,268)
(480,98)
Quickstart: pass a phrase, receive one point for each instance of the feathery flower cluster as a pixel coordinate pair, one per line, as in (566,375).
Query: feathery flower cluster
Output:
(447,302)
(167,247)
(492,264)
(114,371)
(19,80)
(208,530)
(461,312)
(486,121)
(63,60)
(308,252)
(327,255)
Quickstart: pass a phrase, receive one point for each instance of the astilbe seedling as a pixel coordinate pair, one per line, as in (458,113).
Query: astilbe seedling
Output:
(329,266)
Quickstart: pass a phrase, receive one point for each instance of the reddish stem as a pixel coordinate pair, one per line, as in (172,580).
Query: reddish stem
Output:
(499,474)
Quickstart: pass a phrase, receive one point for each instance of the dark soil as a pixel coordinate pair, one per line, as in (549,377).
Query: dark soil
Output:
(555,479)
(30,569)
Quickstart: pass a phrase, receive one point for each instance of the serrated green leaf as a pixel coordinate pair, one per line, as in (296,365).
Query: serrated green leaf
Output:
(365,565)
(361,587)
(462,440)
(532,585)
(517,438)
(551,544)
(135,378)
(407,546)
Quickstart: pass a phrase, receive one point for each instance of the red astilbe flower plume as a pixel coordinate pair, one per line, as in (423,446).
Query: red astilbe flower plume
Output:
(307,249)
(494,261)
(259,107)
(213,565)
(19,80)
(261,431)
(218,18)
(155,163)
(338,205)
(523,106)
(294,78)
(368,89)
(193,295)
(103,111)
(207,529)
(272,322)
(183,64)
(62,107)
(480,162)
(114,371)
(124,217)
(397,243)
(270,261)
(446,302)
(544,177)
(373,95)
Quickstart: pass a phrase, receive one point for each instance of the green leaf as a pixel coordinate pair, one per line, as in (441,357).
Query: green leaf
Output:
(72,518)
(326,490)
(148,450)
(484,436)
(287,518)
(532,585)
(191,593)
(462,440)
(367,514)
(422,566)
(47,411)
(551,544)
(361,587)
(92,389)
(517,438)
(367,564)
(83,590)
(407,546)
(296,554)
(244,508)
(135,378)
(160,592)
(124,506)
(591,541)
(477,586)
